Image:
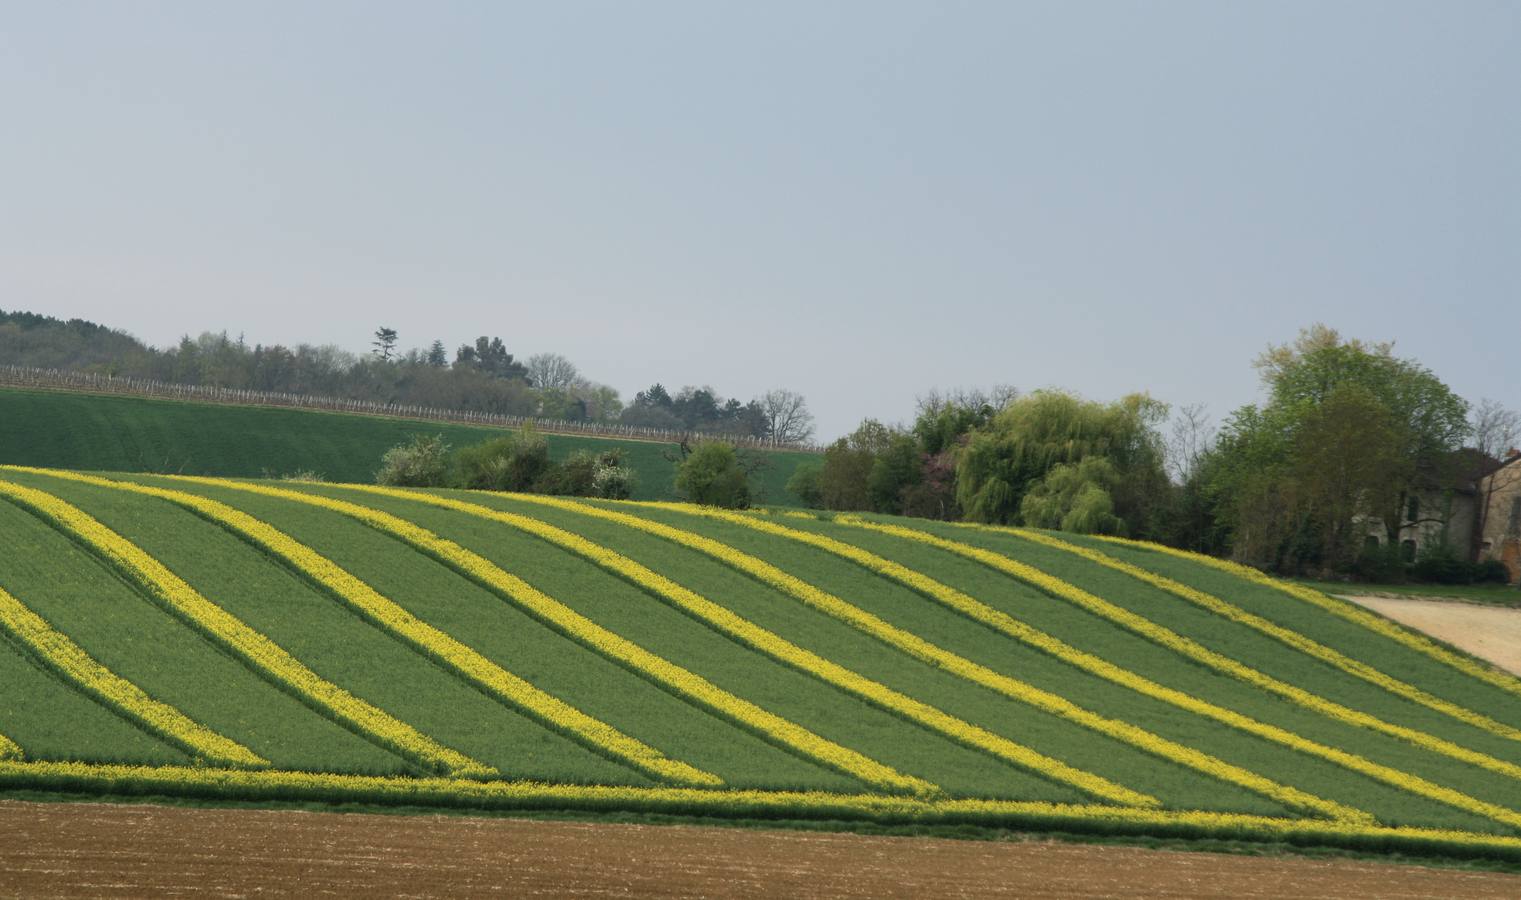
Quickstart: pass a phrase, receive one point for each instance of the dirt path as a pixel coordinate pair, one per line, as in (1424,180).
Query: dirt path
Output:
(92,849)
(1488,632)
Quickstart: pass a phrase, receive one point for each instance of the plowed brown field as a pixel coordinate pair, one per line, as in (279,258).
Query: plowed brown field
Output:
(74,849)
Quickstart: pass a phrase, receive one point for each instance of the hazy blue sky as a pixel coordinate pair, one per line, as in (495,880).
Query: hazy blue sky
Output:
(855,200)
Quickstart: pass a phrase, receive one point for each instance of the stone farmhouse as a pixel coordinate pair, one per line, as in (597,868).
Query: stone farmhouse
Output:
(1497,524)
(1473,505)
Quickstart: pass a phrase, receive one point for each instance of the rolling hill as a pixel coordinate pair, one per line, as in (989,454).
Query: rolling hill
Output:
(268,640)
(135,434)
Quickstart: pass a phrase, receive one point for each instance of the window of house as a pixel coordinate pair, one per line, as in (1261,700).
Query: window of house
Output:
(1370,542)
(1514,526)
(1414,510)
(1407,549)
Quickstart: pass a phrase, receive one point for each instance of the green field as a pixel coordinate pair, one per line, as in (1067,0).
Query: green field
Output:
(1489,594)
(265,640)
(135,434)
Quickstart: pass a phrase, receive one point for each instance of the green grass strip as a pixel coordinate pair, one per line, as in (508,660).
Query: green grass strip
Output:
(262,655)
(275,786)
(1177,643)
(1287,636)
(748,634)
(455,656)
(1346,610)
(1005,624)
(675,679)
(70,662)
(938,657)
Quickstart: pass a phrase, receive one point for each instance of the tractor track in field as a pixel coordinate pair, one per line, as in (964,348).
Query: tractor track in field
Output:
(129,850)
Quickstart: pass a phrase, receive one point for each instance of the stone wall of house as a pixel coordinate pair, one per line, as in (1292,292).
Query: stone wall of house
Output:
(1457,530)
(1500,537)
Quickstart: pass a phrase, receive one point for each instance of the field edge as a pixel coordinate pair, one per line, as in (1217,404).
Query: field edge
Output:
(773,808)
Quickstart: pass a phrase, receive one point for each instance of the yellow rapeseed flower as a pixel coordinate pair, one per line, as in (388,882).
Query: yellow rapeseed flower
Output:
(242,784)
(1349,611)
(749,634)
(660,671)
(455,655)
(1193,650)
(257,651)
(1287,636)
(1120,730)
(72,663)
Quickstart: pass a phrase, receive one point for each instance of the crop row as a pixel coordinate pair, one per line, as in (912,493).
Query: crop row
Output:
(1287,636)
(747,633)
(1180,644)
(226,630)
(265,785)
(1003,623)
(1343,609)
(271,661)
(1003,684)
(447,651)
(55,651)
(1165,637)
(660,671)
(936,656)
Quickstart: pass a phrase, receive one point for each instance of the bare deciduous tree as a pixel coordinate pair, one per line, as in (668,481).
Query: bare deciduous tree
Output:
(1496,429)
(787,417)
(995,398)
(1193,432)
(551,371)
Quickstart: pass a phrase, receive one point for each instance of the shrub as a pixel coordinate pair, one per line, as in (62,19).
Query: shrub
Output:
(587,474)
(420,462)
(1441,565)
(507,463)
(483,466)
(612,481)
(1382,563)
(806,484)
(1491,571)
(712,476)
(571,478)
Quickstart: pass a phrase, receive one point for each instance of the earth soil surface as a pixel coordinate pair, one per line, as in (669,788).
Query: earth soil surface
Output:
(129,850)
(1492,633)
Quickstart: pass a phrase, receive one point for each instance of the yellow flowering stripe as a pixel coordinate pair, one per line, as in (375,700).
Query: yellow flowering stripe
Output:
(257,651)
(243,784)
(1018,690)
(751,635)
(1287,636)
(1186,647)
(1008,625)
(921,649)
(464,661)
(69,660)
(656,669)
(9,749)
(1349,611)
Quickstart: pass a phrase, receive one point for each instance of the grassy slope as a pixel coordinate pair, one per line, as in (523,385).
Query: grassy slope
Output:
(134,434)
(99,611)
(1084,630)
(140,642)
(1488,594)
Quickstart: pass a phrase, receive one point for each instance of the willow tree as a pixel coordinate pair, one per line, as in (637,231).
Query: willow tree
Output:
(1024,441)
(1075,497)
